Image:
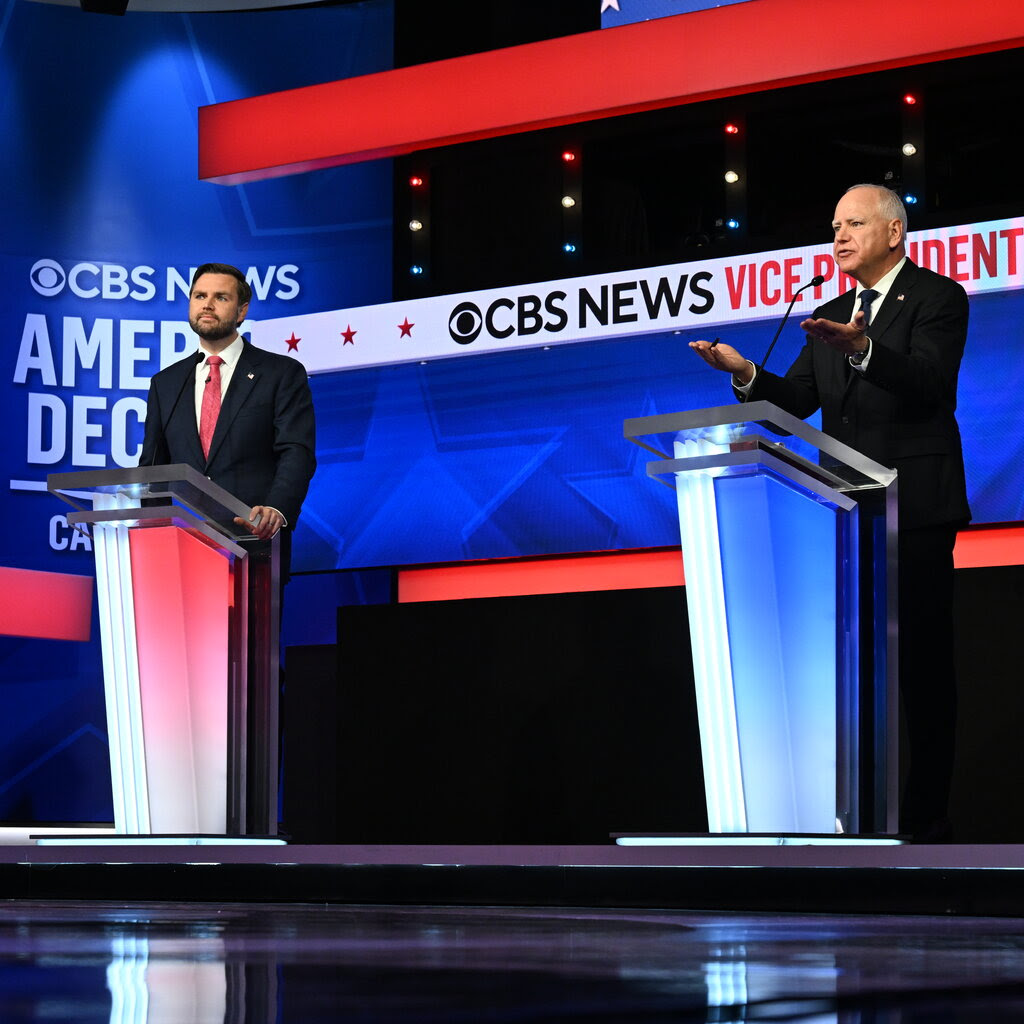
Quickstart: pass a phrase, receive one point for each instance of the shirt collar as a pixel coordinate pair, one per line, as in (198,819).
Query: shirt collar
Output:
(882,286)
(230,355)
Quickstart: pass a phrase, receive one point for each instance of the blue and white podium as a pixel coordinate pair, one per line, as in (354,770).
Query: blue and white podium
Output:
(789,553)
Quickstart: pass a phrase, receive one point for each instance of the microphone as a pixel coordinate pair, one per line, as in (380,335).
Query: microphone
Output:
(814,282)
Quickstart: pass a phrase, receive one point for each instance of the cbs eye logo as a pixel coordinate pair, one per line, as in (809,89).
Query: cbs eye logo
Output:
(47,277)
(465,323)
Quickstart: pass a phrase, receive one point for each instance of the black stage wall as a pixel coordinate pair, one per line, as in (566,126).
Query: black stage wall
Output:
(563,718)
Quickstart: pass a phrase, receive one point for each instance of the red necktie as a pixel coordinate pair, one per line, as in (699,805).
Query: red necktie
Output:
(211,405)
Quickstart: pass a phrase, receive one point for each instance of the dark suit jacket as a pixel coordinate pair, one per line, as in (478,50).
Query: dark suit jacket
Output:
(901,410)
(263,447)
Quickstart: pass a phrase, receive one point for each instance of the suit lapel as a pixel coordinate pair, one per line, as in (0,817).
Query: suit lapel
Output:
(243,379)
(183,391)
(892,305)
(894,302)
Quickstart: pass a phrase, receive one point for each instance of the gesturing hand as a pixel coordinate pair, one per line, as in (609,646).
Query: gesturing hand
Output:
(846,338)
(723,357)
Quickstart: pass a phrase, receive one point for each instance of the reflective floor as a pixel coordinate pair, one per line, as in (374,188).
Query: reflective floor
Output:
(161,963)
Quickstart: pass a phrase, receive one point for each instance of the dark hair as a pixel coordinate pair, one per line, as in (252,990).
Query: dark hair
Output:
(244,291)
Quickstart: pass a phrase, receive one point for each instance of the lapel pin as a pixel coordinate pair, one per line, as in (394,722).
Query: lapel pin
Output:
(899,298)
(251,375)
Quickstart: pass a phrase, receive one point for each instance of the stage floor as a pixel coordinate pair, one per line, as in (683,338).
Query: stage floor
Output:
(231,962)
(967,880)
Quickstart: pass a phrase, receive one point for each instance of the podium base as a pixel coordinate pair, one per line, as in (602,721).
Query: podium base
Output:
(754,839)
(119,839)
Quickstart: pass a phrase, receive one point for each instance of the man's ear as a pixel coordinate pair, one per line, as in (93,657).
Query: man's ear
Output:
(242,312)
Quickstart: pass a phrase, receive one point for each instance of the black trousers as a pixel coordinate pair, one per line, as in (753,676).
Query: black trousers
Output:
(927,673)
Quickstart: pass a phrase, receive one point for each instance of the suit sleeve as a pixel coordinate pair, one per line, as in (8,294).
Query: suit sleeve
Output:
(797,392)
(925,373)
(294,442)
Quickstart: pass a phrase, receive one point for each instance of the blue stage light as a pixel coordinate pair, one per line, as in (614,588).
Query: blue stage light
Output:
(732,223)
(568,247)
(910,199)
(415,269)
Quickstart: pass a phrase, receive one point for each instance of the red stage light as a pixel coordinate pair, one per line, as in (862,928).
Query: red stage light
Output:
(731,129)
(910,99)
(568,156)
(415,181)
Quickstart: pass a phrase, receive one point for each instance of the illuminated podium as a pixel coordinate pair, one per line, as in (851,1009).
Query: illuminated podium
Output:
(789,553)
(189,620)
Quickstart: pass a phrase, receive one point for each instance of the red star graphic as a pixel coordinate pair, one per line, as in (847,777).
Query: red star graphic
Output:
(292,343)
(348,334)
(406,329)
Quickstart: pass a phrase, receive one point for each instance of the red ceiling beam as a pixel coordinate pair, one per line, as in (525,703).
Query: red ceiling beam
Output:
(747,47)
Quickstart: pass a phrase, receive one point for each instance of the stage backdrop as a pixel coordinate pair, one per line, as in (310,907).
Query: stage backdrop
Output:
(494,432)
(489,424)
(103,218)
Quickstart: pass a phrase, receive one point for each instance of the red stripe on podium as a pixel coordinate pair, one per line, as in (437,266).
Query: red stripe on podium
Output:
(666,62)
(45,605)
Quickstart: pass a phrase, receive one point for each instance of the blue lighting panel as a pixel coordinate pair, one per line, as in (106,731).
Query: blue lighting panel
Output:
(779,559)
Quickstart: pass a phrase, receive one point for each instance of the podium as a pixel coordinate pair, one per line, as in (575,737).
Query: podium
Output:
(789,552)
(189,606)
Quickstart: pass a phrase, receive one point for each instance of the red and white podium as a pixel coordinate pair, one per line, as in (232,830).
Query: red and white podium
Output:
(189,607)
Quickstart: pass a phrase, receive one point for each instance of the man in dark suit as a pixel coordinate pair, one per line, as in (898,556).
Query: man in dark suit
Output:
(882,362)
(238,414)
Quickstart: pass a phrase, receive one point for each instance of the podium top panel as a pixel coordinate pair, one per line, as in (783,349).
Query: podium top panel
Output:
(762,424)
(173,485)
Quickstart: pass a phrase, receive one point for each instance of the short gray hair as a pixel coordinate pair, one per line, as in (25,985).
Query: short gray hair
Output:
(889,203)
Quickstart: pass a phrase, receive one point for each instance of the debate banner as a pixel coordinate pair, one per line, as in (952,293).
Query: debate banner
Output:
(103,220)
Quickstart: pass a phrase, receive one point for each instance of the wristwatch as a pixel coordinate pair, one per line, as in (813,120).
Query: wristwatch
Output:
(858,357)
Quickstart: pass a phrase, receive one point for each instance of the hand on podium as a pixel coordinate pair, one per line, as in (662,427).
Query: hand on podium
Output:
(263,521)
